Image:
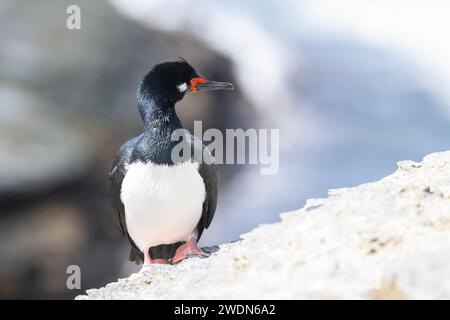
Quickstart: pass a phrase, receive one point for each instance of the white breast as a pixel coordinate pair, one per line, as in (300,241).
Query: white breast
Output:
(163,204)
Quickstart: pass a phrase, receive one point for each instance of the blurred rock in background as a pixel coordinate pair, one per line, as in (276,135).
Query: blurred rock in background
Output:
(68,102)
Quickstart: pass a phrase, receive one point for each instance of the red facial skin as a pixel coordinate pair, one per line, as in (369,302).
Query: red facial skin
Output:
(195,82)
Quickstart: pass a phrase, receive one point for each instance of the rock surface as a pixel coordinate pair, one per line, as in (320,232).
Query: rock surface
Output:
(388,239)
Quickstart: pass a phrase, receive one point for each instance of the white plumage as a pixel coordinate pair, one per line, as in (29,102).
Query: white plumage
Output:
(163,204)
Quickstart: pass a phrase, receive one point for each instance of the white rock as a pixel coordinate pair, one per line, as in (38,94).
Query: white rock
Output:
(386,239)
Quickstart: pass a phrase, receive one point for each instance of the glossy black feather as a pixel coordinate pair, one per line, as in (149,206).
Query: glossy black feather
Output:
(208,171)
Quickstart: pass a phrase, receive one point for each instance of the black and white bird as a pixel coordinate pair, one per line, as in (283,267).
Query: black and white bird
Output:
(164,204)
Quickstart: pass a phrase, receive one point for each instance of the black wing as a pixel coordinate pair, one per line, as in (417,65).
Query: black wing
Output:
(208,171)
(115,178)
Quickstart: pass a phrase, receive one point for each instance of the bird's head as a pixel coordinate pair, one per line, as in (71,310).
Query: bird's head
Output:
(171,81)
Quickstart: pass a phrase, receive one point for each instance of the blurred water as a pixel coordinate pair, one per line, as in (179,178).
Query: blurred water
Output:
(350,99)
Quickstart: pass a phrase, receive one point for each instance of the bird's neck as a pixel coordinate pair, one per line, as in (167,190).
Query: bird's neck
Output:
(160,121)
(158,115)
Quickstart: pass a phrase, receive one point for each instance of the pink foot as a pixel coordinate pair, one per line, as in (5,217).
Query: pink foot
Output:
(149,261)
(189,249)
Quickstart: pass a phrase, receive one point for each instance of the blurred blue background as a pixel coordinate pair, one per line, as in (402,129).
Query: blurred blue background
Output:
(353,86)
